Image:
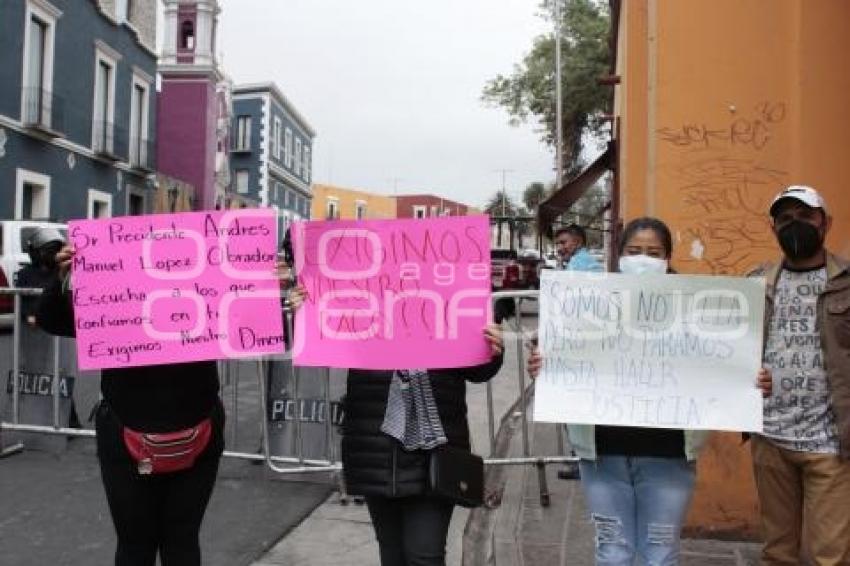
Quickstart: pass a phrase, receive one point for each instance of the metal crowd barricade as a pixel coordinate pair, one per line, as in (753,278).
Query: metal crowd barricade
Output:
(302,465)
(297,463)
(16,426)
(539,462)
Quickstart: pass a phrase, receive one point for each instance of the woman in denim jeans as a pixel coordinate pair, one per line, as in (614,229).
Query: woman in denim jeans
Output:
(637,481)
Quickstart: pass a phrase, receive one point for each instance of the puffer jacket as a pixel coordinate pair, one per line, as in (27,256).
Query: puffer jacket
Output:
(373,462)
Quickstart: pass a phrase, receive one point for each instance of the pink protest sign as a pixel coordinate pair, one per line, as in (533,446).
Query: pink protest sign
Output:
(173,288)
(389,294)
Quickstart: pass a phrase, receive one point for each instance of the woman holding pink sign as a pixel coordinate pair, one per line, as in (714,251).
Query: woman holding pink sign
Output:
(406,448)
(160,436)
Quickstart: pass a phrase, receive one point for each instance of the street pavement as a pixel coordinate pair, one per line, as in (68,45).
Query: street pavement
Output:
(53,511)
(519,531)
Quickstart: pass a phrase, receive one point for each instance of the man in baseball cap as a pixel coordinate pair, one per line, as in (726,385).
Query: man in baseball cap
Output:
(802,457)
(801,193)
(800,222)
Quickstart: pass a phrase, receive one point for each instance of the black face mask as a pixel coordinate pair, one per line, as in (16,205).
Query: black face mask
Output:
(47,256)
(800,240)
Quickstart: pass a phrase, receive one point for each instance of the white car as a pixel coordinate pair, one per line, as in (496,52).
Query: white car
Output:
(551,261)
(14,235)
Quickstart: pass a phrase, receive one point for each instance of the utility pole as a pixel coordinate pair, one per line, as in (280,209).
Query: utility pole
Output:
(559,134)
(504,173)
(394,181)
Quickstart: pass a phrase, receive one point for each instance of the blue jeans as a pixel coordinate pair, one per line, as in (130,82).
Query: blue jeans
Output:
(638,506)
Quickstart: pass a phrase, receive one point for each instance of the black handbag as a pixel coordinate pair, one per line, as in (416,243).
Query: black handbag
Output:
(456,475)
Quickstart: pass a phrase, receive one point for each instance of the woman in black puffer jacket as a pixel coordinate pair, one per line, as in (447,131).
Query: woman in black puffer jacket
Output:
(411,525)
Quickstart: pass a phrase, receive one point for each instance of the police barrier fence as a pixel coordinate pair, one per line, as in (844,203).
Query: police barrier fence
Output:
(280,412)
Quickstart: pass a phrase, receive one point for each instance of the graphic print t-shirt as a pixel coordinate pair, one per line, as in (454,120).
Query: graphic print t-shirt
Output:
(798,415)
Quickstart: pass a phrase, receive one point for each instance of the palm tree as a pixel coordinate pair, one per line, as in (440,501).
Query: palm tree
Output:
(534,194)
(500,205)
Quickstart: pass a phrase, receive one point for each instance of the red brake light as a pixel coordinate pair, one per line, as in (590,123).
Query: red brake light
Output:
(6,301)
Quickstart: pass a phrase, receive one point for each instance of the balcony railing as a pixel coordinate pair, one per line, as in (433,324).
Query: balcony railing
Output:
(142,154)
(43,111)
(240,146)
(109,141)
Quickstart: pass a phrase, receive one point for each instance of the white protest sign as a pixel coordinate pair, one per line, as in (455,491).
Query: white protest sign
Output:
(662,351)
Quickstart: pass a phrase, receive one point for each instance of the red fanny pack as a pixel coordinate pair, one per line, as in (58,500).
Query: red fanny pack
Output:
(167,452)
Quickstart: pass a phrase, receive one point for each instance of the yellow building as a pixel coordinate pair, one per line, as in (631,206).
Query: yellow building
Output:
(330,201)
(720,104)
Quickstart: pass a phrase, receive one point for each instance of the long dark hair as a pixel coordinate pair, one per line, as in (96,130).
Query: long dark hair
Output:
(648,223)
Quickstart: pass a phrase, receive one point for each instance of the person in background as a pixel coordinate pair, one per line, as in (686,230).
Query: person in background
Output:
(42,247)
(637,481)
(802,458)
(570,243)
(579,258)
(565,245)
(42,271)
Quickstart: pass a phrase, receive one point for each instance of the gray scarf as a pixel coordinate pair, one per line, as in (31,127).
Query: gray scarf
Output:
(411,416)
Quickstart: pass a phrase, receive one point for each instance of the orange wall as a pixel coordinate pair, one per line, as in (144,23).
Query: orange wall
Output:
(723,103)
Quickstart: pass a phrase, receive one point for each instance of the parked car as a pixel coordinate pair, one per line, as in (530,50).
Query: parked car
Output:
(505,271)
(14,235)
(512,272)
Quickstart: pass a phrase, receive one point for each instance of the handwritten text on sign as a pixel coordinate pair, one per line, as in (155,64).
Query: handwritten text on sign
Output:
(664,351)
(175,288)
(387,294)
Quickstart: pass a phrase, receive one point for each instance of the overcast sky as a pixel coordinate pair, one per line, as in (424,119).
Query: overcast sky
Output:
(392,88)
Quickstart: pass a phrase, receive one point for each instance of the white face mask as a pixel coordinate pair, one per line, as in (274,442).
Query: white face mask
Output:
(640,264)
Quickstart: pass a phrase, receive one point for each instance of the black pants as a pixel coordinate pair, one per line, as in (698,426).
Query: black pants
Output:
(159,513)
(411,531)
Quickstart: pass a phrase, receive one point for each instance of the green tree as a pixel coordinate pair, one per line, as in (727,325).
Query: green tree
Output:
(534,194)
(587,211)
(529,92)
(501,204)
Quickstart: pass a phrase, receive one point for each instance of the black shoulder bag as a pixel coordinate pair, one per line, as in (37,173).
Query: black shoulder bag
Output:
(456,475)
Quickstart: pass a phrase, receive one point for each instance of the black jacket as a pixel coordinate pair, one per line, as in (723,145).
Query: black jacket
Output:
(160,398)
(374,463)
(33,277)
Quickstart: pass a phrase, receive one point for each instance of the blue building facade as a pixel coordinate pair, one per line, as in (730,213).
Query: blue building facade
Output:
(77,108)
(271,154)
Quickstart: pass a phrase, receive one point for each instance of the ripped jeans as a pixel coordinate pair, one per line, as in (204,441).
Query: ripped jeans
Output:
(638,506)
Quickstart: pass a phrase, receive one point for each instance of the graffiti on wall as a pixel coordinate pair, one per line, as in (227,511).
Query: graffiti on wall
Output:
(723,180)
(754,131)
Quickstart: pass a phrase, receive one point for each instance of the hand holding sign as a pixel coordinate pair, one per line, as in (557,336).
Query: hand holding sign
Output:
(665,351)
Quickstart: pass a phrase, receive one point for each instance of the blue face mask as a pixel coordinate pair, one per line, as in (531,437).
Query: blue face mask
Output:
(641,264)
